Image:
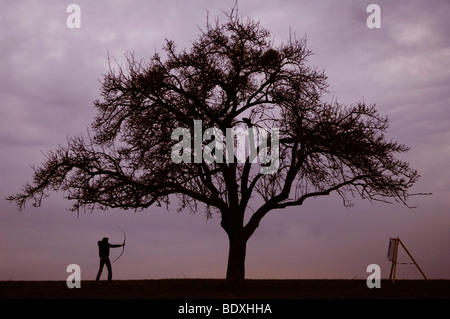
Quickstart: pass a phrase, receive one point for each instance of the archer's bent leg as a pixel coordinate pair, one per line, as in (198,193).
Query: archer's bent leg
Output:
(99,273)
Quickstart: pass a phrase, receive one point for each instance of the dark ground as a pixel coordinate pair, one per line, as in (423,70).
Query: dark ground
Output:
(218,289)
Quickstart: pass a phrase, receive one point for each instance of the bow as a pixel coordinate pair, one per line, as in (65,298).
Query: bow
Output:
(124,240)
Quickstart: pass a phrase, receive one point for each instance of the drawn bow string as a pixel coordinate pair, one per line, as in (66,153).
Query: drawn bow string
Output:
(124,240)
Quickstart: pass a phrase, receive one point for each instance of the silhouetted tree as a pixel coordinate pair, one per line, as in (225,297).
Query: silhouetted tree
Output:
(233,76)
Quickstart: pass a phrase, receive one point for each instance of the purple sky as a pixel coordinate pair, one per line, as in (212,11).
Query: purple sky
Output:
(49,77)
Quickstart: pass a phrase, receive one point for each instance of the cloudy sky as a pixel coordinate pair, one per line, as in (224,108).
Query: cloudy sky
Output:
(49,77)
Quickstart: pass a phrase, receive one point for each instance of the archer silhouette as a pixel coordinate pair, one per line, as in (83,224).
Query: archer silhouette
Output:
(103,252)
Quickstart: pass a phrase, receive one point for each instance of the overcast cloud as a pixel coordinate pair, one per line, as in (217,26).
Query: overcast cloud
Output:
(49,78)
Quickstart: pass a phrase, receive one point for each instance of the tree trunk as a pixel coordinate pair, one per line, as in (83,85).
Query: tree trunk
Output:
(236,261)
